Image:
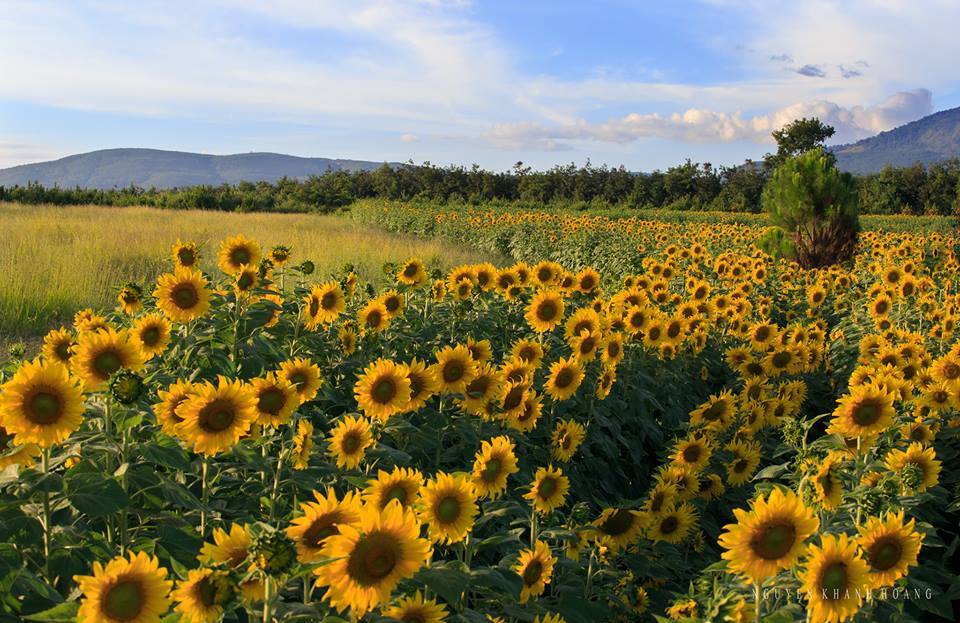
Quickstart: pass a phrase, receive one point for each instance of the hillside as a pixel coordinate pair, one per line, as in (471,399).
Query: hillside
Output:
(146,168)
(931,139)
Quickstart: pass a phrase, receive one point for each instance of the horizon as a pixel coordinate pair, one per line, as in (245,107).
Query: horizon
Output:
(454,82)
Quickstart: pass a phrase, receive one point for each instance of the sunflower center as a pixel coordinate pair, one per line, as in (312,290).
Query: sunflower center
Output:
(448,509)
(866,414)
(532,573)
(384,390)
(587,345)
(951,371)
(566,441)
(781,359)
(669,525)
(885,553)
(613,349)
(547,311)
(774,541)
(186,257)
(373,558)
(217,416)
(826,482)
(184,296)
(328,301)
(392,304)
(123,601)
(245,281)
(206,592)
(413,617)
(618,523)
(271,400)
(564,378)
(691,454)
(240,256)
(410,271)
(398,493)
(63,351)
(351,442)
(298,379)
(761,334)
(583,325)
(374,318)
(150,336)
(833,581)
(714,411)
(657,501)
(547,487)
(319,530)
(491,470)
(314,306)
(478,387)
(513,398)
(453,371)
(107,362)
(44,407)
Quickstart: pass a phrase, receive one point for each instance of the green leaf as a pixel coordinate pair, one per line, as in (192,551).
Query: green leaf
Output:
(65,612)
(95,495)
(449,581)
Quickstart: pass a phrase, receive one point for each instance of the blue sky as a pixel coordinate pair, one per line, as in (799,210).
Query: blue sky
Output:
(646,84)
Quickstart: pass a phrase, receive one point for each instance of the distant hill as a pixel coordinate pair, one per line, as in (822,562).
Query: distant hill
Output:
(928,140)
(146,168)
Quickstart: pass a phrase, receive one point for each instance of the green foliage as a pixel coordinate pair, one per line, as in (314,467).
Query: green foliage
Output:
(778,244)
(816,205)
(797,137)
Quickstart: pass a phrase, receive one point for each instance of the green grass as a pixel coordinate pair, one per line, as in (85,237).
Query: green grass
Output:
(56,260)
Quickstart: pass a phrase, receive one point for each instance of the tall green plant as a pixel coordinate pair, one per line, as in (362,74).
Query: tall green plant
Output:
(816,206)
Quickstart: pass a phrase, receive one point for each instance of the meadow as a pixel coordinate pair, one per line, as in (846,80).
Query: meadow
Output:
(615,418)
(59,259)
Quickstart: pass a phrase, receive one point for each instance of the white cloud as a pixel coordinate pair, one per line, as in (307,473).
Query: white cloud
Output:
(698,125)
(409,138)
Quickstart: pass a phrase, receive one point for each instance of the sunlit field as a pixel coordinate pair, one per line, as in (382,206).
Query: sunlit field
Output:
(56,260)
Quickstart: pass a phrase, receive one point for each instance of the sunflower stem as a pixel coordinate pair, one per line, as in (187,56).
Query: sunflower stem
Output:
(266,599)
(307,590)
(533,528)
(45,467)
(276,486)
(124,484)
(757,600)
(204,495)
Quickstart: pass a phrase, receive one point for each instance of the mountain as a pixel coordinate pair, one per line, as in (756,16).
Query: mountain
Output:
(146,168)
(928,140)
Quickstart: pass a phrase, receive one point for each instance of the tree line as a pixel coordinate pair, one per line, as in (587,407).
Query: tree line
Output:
(918,189)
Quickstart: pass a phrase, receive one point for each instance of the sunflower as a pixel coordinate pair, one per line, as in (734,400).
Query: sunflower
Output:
(369,559)
(605,382)
(513,398)
(865,411)
(182,295)
(618,528)
(373,316)
(323,305)
(834,579)
(417,609)
(681,610)
(535,568)
(276,398)
(41,404)
(348,339)
(302,445)
(86,320)
(567,437)
(711,486)
(126,590)
(130,298)
(549,489)
(232,549)
(743,464)
(494,463)
(890,547)
(661,496)
(393,302)
(918,457)
(769,537)
(152,334)
(826,482)
(201,597)
(321,520)
(384,389)
(349,441)
(13,453)
(403,484)
(302,374)
(587,280)
(528,351)
(214,418)
(585,346)
(237,252)
(185,254)
(611,350)
(564,379)
(545,273)
(423,385)
(246,279)
(58,345)
(482,389)
(545,311)
(166,409)
(693,453)
(517,370)
(412,273)
(672,524)
(455,368)
(716,413)
(526,417)
(448,505)
(99,355)
(683,479)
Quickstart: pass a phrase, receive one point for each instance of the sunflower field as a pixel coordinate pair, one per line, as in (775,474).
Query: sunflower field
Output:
(637,420)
